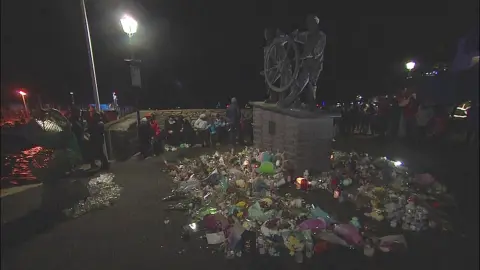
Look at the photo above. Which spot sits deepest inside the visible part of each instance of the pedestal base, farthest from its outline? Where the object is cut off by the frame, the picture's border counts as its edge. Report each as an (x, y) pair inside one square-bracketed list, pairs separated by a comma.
[(304, 137)]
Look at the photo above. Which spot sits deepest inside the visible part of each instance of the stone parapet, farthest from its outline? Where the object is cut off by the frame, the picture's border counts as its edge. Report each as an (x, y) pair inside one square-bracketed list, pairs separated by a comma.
[(121, 134)]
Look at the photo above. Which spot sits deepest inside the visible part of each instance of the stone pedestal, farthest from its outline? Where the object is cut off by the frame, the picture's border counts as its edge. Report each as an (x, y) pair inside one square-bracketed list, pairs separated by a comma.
[(304, 137)]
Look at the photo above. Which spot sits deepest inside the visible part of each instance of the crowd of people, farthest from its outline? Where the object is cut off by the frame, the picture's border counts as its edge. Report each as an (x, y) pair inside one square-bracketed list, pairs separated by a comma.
[(89, 132), (207, 130), (404, 116)]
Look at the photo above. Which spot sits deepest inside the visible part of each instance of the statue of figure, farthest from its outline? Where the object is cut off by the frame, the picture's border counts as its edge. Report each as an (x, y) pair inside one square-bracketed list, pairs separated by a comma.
[(278, 55), (312, 56)]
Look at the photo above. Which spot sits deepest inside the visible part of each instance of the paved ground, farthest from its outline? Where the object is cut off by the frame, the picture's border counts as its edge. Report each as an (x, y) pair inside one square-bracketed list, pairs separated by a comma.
[(133, 235)]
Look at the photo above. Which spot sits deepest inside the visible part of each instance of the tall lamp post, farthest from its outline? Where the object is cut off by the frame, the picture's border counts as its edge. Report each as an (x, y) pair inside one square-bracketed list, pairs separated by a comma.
[(410, 66), (73, 98), (23, 94), (130, 27), (93, 74)]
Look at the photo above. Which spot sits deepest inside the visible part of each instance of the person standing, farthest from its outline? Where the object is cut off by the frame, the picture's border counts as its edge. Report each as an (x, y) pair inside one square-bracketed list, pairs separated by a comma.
[(202, 128), (173, 131), (220, 127), (96, 129), (186, 131), (394, 119), (409, 113), (371, 119), (233, 120), (78, 128), (423, 117), (157, 142), (213, 132), (145, 137), (382, 116)]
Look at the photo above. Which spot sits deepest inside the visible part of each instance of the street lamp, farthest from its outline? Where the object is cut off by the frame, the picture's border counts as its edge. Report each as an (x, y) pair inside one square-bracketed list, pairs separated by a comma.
[(410, 66), (73, 98), (23, 94), (130, 27)]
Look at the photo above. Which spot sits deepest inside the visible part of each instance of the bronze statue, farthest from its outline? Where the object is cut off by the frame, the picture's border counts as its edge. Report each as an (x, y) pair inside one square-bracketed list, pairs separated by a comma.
[(286, 69)]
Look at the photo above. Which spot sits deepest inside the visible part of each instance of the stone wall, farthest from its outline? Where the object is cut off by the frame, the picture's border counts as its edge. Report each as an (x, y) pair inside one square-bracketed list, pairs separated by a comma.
[(306, 141), (121, 134)]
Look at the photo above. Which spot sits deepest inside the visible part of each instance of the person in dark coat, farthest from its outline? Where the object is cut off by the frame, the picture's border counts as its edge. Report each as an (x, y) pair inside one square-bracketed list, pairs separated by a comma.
[(233, 121), (96, 129), (78, 128), (172, 136), (187, 133), (145, 136)]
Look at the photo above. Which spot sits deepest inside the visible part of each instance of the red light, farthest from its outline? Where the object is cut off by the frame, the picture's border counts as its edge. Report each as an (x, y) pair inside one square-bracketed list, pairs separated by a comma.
[(228, 105), (318, 105), (22, 93)]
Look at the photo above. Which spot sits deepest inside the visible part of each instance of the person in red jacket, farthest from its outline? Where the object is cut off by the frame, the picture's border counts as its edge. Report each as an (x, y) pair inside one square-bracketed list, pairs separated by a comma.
[(157, 142)]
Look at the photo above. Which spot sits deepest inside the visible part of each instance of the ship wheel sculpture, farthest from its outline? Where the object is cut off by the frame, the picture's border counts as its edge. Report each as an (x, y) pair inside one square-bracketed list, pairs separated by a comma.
[(281, 63)]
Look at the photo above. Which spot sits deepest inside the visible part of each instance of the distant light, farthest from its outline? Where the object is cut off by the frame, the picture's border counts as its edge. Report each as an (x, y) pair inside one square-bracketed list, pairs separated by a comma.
[(71, 93), (318, 105), (410, 65), (129, 25), (475, 59), (397, 163), (22, 93), (228, 105)]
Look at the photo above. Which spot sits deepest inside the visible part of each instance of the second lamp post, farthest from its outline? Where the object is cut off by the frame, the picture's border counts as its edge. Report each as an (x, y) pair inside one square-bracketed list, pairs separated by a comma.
[(130, 26)]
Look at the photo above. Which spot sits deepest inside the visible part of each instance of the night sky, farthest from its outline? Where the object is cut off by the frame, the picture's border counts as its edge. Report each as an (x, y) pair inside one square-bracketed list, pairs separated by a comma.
[(198, 52)]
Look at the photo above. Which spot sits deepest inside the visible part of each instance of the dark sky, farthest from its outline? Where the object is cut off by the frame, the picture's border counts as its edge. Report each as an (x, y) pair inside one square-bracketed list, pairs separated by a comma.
[(198, 52)]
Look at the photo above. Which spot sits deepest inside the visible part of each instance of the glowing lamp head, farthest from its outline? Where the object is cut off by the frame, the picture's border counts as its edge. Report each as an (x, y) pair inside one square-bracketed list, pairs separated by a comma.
[(129, 25), (22, 93), (410, 65)]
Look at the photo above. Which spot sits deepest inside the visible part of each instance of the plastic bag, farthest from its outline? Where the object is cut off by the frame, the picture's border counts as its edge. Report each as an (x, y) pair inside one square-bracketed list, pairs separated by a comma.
[(332, 238), (255, 212), (317, 212), (213, 179), (388, 243), (349, 233)]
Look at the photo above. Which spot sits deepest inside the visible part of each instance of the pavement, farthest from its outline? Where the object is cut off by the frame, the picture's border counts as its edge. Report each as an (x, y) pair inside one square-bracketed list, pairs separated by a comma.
[(137, 233)]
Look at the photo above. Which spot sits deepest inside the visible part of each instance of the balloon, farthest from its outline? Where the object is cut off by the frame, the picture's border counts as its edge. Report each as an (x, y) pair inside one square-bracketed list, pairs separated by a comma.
[(267, 167), (313, 224)]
